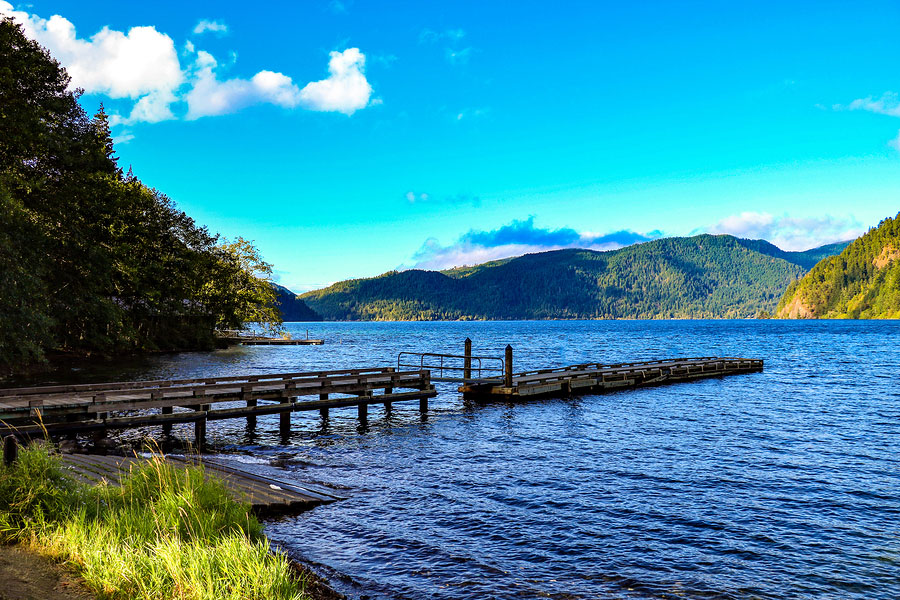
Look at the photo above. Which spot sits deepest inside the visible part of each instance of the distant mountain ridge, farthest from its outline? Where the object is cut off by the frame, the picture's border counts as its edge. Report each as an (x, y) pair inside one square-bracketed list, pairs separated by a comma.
[(704, 276), (292, 308), (861, 282)]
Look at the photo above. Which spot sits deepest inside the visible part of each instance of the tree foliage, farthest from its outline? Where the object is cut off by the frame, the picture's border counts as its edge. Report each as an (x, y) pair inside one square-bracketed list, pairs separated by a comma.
[(91, 259), (862, 282), (698, 277)]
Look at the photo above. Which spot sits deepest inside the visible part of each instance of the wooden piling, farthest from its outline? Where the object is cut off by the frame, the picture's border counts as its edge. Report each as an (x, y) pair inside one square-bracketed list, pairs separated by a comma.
[(246, 392), (200, 428), (363, 412), (423, 404), (284, 423), (10, 450), (167, 427), (389, 389), (508, 372), (467, 361)]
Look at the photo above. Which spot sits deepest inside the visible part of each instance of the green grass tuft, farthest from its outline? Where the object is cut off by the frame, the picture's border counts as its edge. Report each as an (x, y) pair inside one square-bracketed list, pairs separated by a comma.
[(165, 532)]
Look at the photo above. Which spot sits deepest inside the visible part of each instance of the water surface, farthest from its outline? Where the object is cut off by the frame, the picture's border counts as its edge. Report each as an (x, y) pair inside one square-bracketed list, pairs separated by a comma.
[(780, 484)]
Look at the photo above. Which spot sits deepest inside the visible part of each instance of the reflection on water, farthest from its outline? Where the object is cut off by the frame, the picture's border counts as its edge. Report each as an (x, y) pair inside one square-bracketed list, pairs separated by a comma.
[(782, 484)]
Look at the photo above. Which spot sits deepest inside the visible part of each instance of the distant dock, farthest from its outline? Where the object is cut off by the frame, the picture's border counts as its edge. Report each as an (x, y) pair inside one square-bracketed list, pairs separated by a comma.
[(271, 341), (594, 378)]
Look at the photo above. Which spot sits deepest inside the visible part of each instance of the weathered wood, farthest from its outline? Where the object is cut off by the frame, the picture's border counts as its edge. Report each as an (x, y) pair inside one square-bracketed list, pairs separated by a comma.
[(467, 361), (10, 450), (82, 407), (264, 494), (284, 423), (597, 378), (200, 427), (508, 367)]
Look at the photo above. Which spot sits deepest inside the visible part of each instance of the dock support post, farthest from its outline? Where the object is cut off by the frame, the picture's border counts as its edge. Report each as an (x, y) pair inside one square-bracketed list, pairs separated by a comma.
[(167, 427), (387, 408), (284, 423), (507, 376), (251, 419), (200, 429), (390, 388), (467, 362), (423, 404), (10, 450), (363, 412)]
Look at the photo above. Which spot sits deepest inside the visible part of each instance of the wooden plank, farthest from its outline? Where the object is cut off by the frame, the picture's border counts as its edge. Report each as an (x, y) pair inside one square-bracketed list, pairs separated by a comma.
[(263, 493)]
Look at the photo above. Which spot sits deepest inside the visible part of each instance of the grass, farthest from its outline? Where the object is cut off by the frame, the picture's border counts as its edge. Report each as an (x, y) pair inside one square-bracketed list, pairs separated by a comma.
[(165, 533)]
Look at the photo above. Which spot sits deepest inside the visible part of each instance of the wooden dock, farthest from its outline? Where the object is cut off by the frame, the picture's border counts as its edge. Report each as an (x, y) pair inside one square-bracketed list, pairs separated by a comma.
[(271, 341), (71, 409), (264, 494), (594, 378)]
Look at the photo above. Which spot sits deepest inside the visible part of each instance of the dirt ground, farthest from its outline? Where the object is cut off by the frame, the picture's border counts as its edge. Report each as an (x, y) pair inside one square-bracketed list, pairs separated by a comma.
[(25, 575)]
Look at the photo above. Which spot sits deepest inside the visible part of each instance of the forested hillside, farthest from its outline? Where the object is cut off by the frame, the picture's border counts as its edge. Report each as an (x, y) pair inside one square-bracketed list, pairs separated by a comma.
[(862, 282), (704, 276), (91, 259), (291, 307)]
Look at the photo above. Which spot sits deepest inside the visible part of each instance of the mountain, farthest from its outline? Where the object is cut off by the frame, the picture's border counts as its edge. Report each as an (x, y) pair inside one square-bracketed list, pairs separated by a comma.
[(292, 307), (862, 282), (704, 276)]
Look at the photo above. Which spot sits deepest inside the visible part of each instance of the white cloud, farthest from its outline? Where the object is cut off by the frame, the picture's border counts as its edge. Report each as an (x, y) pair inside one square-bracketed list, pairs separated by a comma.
[(209, 96), (790, 233), (142, 65), (205, 25), (119, 65), (346, 90)]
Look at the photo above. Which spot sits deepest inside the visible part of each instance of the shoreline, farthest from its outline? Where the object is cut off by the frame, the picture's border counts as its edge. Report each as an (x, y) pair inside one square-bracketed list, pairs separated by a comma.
[(161, 528)]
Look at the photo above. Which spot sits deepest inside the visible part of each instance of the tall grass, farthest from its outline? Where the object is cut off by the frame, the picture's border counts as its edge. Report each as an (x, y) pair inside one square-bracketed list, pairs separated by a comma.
[(164, 533)]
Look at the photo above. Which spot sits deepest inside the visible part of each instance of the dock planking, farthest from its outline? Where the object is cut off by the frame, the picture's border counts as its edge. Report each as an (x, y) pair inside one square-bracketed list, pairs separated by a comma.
[(265, 495), (594, 378)]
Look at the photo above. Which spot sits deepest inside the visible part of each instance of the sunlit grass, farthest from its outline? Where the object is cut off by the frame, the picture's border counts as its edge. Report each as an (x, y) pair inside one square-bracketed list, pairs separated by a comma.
[(166, 532)]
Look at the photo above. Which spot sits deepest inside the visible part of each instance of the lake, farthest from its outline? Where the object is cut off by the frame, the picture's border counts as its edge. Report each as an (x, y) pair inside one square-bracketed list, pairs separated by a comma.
[(780, 484)]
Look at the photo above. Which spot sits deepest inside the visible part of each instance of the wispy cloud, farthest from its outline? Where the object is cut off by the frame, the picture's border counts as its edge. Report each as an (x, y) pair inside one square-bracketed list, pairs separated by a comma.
[(206, 25), (790, 233), (413, 197), (429, 36), (454, 52), (888, 104), (458, 57), (142, 66), (517, 238)]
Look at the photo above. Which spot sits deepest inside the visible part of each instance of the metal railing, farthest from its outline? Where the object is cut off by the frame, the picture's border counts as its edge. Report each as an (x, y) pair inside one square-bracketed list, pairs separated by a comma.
[(477, 369)]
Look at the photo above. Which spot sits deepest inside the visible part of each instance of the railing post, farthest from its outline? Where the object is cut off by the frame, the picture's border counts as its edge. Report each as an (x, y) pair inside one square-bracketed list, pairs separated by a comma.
[(507, 379), (10, 450), (467, 364)]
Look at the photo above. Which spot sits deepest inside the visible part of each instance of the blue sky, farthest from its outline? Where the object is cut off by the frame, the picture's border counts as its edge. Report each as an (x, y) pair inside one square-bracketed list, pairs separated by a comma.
[(350, 138)]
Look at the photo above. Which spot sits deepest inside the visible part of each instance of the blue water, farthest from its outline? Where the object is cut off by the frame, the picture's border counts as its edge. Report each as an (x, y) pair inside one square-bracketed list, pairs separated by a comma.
[(780, 484)]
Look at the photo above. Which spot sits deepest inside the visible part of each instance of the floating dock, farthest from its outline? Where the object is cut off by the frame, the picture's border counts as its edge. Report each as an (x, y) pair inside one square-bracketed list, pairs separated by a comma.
[(594, 378), (264, 494), (71, 409), (270, 341)]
